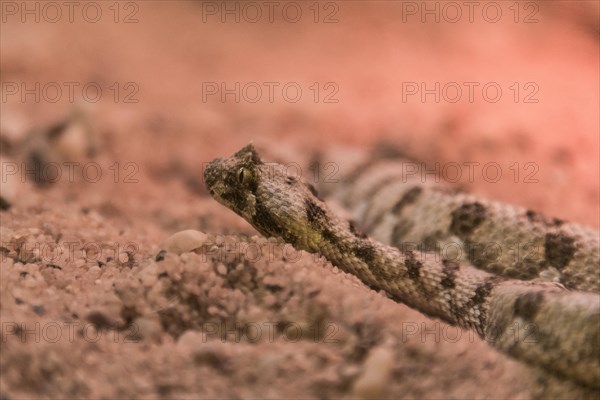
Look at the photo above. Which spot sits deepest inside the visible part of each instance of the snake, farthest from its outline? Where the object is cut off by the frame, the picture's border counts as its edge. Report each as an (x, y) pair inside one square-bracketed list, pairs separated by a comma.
[(548, 324)]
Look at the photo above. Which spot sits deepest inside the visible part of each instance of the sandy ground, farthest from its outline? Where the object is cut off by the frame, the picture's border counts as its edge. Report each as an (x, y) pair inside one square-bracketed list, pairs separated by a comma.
[(88, 312)]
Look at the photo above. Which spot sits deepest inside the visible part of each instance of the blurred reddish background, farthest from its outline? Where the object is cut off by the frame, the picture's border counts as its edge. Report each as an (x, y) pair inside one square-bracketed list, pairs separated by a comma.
[(425, 75)]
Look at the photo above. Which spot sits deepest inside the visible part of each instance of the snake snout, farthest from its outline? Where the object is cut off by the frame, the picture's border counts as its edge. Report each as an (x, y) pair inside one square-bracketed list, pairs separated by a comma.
[(212, 173)]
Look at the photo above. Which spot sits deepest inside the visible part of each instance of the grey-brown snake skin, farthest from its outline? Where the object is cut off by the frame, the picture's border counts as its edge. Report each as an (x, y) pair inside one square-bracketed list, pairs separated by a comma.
[(539, 322)]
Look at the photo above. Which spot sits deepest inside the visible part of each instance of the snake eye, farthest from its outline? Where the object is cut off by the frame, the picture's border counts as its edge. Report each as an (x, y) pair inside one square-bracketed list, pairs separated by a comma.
[(243, 175)]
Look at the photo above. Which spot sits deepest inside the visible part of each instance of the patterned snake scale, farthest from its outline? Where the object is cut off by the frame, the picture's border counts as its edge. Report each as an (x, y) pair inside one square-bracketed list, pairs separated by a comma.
[(559, 328)]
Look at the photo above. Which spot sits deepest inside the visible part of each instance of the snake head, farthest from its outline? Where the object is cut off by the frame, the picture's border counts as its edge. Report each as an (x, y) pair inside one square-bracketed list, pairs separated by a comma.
[(233, 181), (273, 202)]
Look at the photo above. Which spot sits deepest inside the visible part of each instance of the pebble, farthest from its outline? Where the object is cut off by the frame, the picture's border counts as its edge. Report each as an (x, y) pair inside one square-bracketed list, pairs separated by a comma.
[(77, 139), (222, 269), (14, 126), (148, 328), (189, 341), (376, 373), (185, 241)]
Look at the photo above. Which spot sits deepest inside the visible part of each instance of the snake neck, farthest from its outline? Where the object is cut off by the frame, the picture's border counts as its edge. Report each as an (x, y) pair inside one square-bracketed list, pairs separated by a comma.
[(458, 294)]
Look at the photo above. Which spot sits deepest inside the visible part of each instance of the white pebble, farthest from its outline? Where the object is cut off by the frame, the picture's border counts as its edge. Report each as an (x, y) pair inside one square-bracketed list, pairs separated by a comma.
[(376, 373), (185, 241), (222, 269)]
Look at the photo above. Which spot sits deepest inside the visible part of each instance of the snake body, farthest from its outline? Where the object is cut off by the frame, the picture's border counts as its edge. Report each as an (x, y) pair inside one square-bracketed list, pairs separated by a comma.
[(540, 323), (398, 205)]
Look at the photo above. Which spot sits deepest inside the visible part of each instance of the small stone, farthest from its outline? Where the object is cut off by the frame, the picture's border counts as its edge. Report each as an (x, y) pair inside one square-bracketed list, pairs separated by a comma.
[(376, 373), (222, 269), (72, 139), (190, 340), (14, 126), (185, 241), (77, 140), (147, 328)]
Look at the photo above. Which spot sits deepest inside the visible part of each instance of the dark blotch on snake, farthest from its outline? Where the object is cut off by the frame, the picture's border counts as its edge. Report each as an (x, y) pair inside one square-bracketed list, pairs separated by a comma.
[(449, 270), (431, 242), (559, 249), (366, 252), (408, 198), (268, 226), (528, 304), (317, 219), (400, 230), (466, 218), (315, 215), (330, 236), (413, 265), (483, 291)]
